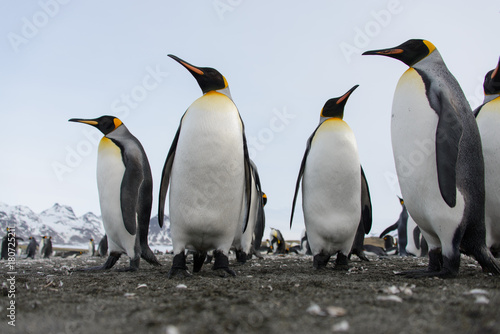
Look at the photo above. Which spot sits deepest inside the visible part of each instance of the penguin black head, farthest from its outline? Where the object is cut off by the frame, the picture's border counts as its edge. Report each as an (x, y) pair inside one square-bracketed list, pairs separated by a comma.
[(401, 201), (105, 124), (208, 78), (335, 107), (264, 199), (492, 81), (410, 52)]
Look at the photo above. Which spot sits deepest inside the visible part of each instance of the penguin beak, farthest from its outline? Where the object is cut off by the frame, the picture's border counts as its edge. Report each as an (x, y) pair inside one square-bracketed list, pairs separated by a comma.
[(86, 121), (191, 68), (346, 95), (384, 52)]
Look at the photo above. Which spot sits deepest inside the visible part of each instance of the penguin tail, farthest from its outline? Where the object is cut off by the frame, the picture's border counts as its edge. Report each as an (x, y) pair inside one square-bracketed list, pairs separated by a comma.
[(488, 262), (148, 255)]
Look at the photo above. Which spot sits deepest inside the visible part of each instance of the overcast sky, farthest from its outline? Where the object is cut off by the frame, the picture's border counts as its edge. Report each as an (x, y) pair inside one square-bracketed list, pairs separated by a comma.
[(62, 59)]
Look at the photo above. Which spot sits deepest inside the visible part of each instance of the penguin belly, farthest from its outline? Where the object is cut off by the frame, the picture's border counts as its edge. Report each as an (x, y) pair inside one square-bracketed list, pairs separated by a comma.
[(413, 135), (208, 175), (331, 189), (488, 122), (110, 171)]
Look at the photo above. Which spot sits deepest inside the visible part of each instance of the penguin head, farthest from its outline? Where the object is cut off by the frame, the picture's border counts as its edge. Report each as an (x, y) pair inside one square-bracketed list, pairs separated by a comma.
[(264, 199), (334, 108), (410, 52), (401, 201), (492, 81), (105, 124), (209, 79)]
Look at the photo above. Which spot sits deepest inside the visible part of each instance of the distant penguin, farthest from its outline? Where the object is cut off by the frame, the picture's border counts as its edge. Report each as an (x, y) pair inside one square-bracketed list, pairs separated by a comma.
[(42, 243), (444, 193), (278, 243), (31, 249), (331, 186), (417, 246), (243, 241), (47, 247), (208, 169), (91, 247), (488, 122), (125, 189), (402, 226), (365, 223), (374, 250), (260, 226), (390, 246), (102, 248), (7, 241), (304, 244)]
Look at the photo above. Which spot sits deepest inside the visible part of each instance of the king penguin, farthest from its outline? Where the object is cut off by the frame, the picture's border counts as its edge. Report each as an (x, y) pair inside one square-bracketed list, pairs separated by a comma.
[(31, 249), (439, 161), (402, 226), (125, 188), (243, 241), (209, 173), (331, 186), (365, 223), (488, 122)]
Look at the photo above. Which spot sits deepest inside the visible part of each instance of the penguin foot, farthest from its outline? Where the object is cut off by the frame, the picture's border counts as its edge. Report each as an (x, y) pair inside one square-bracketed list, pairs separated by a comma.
[(179, 272), (149, 256), (341, 262), (320, 261), (221, 264), (179, 266), (224, 272), (241, 257), (128, 269)]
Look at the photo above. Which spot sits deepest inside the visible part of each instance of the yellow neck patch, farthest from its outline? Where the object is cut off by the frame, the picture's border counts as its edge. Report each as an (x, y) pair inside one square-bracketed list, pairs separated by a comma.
[(117, 122), (430, 46)]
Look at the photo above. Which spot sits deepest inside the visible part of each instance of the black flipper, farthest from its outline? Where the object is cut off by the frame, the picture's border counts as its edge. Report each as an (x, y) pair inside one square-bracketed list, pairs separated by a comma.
[(129, 191), (301, 172), (416, 237), (366, 204), (448, 133), (248, 176), (165, 175), (389, 229)]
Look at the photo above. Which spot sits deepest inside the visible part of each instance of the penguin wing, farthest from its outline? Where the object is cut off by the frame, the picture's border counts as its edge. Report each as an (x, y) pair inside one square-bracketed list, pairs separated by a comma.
[(389, 229), (477, 110), (416, 237), (248, 176), (366, 203), (165, 175), (301, 172), (448, 133), (129, 194)]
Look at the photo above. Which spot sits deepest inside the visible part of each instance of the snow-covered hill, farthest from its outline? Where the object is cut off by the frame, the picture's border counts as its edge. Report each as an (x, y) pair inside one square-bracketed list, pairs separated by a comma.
[(65, 228)]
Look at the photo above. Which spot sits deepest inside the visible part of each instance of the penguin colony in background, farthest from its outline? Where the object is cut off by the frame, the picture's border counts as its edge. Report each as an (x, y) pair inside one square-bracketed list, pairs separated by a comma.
[(216, 201)]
